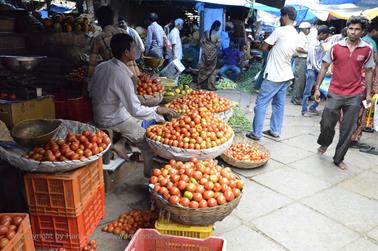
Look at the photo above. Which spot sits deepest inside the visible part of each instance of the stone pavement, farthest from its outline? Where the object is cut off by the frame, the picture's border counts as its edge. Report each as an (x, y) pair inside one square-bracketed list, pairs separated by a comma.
[(299, 201)]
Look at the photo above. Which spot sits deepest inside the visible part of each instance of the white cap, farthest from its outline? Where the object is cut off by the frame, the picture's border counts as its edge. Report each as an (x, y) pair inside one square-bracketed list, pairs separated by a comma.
[(305, 25)]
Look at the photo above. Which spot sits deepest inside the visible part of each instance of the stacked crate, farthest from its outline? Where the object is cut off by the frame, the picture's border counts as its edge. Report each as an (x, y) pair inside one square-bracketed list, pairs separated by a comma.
[(66, 208)]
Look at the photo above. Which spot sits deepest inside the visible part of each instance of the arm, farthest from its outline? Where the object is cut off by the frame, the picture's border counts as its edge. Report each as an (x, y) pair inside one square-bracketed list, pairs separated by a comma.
[(139, 41), (301, 50), (93, 58), (270, 41), (173, 51), (149, 38), (369, 66), (266, 47), (320, 79)]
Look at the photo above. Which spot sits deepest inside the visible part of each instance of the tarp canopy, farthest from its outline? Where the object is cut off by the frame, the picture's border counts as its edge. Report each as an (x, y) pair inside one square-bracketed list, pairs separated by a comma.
[(246, 3)]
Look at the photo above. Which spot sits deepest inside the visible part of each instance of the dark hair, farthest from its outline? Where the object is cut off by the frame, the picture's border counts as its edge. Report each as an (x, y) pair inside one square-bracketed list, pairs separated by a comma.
[(213, 26), (373, 26), (332, 30), (324, 29), (153, 17), (363, 21), (119, 43), (344, 31), (122, 18), (105, 16), (290, 12)]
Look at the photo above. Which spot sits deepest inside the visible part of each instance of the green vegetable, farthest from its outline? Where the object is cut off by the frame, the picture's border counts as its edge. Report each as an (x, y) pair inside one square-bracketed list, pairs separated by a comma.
[(226, 84), (185, 79), (247, 79), (239, 121)]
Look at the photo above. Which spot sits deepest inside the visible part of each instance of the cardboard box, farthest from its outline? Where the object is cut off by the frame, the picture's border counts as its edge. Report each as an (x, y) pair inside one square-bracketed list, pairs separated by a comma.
[(173, 69), (13, 112)]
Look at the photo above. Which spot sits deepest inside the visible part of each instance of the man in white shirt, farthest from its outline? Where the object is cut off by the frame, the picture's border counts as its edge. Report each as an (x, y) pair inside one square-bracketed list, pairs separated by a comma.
[(282, 44), (115, 104), (300, 63), (155, 38), (175, 40), (139, 49)]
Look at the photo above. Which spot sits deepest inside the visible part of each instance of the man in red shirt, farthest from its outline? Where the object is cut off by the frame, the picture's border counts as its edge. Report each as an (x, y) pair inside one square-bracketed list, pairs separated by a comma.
[(349, 56)]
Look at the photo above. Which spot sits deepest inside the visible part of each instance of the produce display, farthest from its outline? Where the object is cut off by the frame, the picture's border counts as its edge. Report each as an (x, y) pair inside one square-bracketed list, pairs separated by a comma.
[(91, 246), (8, 96), (239, 120), (148, 86), (226, 84), (78, 75), (8, 229), (73, 147), (67, 23), (246, 153), (185, 79), (196, 184), (129, 222), (178, 91), (197, 130), (199, 99)]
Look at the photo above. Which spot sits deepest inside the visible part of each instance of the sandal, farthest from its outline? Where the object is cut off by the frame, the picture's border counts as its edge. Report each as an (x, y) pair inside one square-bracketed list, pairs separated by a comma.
[(370, 150), (269, 133), (252, 136)]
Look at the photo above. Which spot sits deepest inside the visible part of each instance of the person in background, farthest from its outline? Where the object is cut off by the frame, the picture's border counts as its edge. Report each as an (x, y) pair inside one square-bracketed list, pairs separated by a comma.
[(282, 44), (332, 30), (349, 57), (314, 63), (155, 38), (115, 103), (134, 34), (168, 27), (175, 40), (300, 63), (231, 57), (209, 56), (100, 45)]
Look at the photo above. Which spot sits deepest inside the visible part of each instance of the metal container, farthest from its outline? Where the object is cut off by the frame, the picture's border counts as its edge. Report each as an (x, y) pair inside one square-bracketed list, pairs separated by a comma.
[(153, 62), (21, 64), (35, 132)]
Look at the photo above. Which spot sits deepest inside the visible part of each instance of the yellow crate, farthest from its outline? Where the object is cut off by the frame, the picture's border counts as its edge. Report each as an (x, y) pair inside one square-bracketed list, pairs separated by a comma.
[(171, 228)]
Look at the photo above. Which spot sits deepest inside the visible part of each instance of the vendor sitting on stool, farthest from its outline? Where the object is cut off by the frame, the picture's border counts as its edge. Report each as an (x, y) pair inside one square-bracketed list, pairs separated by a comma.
[(115, 103), (231, 57)]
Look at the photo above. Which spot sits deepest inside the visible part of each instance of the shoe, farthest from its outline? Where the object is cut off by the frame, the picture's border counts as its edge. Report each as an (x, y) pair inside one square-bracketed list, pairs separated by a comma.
[(269, 133), (314, 112), (295, 102), (306, 114), (252, 136)]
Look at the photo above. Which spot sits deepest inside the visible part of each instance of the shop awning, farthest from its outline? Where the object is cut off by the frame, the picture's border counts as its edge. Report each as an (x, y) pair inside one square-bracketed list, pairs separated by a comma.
[(246, 3)]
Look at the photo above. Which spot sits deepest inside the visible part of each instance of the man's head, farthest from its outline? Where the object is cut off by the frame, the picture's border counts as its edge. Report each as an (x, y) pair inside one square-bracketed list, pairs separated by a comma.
[(122, 22), (123, 47), (179, 23), (373, 29), (356, 26), (104, 16), (153, 17), (323, 32), (288, 15), (305, 27)]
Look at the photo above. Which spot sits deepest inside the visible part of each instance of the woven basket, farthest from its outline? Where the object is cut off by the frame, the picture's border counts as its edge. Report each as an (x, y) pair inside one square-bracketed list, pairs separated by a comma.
[(168, 99), (151, 101), (226, 115), (194, 216)]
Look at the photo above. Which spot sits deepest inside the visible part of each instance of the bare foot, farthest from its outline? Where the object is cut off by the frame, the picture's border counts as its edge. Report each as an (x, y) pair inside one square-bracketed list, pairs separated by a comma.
[(341, 165), (322, 149), (120, 149)]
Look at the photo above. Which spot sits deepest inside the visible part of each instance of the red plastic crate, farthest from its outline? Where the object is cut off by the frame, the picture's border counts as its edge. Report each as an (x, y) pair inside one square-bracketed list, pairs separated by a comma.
[(71, 233), (63, 194), (23, 240), (152, 240), (73, 108)]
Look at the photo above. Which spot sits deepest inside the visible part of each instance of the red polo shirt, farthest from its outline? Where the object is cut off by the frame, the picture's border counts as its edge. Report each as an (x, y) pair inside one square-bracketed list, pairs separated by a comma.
[(347, 68)]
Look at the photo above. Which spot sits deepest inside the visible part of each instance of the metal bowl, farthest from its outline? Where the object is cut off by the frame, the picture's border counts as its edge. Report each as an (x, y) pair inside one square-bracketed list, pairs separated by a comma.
[(21, 64), (35, 132), (153, 62)]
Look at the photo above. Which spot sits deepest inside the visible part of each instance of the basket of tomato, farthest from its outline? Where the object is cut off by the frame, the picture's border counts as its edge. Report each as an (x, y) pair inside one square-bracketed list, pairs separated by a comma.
[(195, 192), (149, 90), (246, 156), (73, 145), (199, 134)]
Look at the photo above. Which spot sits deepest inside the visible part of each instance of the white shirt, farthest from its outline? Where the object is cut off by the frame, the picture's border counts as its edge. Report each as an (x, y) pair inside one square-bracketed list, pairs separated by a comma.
[(155, 34), (303, 43), (113, 95), (138, 42), (174, 38), (284, 40)]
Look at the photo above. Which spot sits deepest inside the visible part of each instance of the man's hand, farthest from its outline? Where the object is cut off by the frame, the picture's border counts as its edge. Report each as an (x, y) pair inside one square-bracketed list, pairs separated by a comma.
[(368, 99), (317, 95), (166, 111)]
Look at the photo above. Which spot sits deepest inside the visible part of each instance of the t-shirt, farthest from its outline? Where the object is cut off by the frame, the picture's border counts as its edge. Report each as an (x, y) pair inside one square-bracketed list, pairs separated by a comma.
[(174, 38), (372, 42), (347, 67), (302, 43), (231, 56), (284, 40)]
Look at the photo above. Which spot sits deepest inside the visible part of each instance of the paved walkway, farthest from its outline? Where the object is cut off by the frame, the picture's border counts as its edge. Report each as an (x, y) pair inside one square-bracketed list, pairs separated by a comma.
[(299, 201)]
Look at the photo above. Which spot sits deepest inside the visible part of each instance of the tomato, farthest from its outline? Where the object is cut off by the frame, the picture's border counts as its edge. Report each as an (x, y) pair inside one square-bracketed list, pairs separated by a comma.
[(197, 175), (217, 187), (240, 184), (221, 199), (197, 197), (153, 179), (229, 195), (200, 189), (174, 199), (163, 190), (193, 204), (209, 185), (191, 187), (212, 202), (174, 190), (182, 185), (236, 192), (184, 202), (157, 188), (208, 194), (202, 204), (184, 177)]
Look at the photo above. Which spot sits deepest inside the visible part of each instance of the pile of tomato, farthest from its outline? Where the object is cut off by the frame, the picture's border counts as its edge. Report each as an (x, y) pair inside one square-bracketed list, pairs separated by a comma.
[(197, 130), (198, 99), (78, 74), (248, 153), (8, 229), (148, 86), (196, 184), (74, 147), (129, 222)]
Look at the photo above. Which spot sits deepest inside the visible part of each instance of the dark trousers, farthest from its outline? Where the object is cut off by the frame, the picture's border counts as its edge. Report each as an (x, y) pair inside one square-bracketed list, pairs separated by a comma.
[(299, 80), (350, 105)]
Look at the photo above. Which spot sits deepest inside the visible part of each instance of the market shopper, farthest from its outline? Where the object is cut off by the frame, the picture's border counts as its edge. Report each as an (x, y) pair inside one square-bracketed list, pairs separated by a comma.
[(231, 58), (207, 68), (115, 104), (282, 44), (139, 46), (155, 38), (314, 63), (300, 63), (175, 40), (349, 57)]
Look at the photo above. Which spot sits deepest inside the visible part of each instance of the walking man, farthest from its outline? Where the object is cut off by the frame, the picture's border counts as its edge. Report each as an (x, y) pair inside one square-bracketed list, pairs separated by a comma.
[(282, 44), (349, 56)]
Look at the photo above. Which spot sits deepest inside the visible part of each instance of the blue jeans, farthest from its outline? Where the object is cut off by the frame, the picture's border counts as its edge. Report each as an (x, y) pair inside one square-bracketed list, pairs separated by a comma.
[(227, 67), (311, 76), (275, 91)]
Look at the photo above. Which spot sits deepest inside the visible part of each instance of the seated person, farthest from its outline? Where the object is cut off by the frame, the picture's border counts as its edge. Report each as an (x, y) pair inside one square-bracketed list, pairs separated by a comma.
[(231, 57), (115, 103)]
